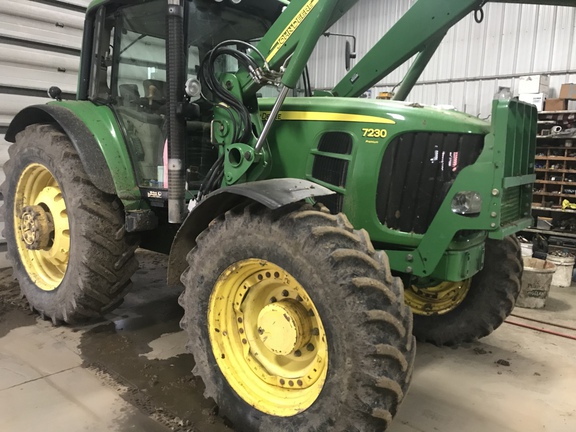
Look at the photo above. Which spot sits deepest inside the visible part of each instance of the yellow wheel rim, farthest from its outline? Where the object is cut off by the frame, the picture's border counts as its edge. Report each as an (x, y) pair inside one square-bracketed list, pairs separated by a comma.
[(436, 299), (267, 337), (41, 226)]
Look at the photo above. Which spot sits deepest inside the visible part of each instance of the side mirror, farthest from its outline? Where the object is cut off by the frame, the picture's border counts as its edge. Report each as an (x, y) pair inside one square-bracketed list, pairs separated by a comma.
[(349, 54)]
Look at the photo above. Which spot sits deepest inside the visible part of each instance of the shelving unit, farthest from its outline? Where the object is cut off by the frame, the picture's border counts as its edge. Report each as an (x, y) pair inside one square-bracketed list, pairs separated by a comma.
[(555, 171), (555, 161), (555, 168)]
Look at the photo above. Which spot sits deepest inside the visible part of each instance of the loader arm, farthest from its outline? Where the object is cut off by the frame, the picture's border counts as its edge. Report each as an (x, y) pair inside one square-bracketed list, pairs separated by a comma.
[(426, 21), (418, 32), (295, 33)]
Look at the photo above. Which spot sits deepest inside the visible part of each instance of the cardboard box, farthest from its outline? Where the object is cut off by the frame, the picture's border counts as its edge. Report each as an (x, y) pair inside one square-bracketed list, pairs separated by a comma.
[(537, 99), (568, 91), (555, 105), (534, 84)]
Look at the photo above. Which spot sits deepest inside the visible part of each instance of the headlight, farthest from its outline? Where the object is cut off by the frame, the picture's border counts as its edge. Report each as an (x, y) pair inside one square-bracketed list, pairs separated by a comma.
[(467, 203)]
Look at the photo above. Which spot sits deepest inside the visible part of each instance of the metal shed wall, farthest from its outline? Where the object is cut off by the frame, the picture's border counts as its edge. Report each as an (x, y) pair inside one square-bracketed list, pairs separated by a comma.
[(39, 47), (473, 60)]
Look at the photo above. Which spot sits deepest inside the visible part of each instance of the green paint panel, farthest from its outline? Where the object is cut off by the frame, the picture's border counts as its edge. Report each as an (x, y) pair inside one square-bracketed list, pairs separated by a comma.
[(502, 182)]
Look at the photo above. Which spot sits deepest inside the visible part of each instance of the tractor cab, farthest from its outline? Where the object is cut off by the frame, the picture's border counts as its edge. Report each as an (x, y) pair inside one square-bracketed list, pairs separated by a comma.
[(129, 76)]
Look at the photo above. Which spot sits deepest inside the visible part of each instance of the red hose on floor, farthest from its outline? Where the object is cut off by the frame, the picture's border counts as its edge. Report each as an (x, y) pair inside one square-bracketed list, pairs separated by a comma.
[(541, 330), (544, 322)]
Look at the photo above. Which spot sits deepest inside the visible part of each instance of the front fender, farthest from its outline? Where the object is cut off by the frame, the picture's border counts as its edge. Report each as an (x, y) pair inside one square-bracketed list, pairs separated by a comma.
[(273, 194)]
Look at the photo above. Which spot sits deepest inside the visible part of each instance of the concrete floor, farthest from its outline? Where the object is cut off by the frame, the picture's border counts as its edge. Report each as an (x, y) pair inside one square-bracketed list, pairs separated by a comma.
[(130, 372)]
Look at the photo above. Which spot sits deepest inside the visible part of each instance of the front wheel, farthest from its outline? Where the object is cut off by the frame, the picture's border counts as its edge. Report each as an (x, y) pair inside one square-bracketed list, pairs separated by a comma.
[(295, 322), (450, 313)]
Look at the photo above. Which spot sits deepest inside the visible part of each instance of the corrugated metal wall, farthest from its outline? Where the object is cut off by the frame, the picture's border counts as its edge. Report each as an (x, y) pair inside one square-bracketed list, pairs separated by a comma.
[(473, 60), (39, 47), (40, 43)]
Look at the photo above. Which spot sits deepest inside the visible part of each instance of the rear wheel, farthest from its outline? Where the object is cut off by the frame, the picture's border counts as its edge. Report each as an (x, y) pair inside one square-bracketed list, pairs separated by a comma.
[(66, 239), (449, 313), (295, 322)]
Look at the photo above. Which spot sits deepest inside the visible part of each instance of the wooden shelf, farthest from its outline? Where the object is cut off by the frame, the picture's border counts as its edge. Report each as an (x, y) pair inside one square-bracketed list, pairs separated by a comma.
[(556, 137), (558, 158), (550, 232), (550, 170), (550, 209), (555, 182), (557, 112), (555, 194)]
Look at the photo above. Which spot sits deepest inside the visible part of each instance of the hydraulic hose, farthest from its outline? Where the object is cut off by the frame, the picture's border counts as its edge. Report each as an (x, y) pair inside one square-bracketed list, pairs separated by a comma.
[(544, 322), (175, 80), (541, 330)]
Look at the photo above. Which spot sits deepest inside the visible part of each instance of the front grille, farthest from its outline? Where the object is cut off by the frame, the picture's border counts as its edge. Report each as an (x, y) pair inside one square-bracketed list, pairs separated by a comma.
[(511, 205), (417, 171), (336, 142), (334, 202), (330, 170), (333, 169)]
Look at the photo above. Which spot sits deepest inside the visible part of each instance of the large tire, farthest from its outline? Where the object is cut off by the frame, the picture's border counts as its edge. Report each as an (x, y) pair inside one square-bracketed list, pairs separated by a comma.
[(367, 326), (90, 273), (490, 299)]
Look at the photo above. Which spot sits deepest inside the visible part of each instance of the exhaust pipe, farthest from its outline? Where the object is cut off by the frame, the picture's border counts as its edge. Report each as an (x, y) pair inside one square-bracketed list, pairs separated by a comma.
[(176, 124)]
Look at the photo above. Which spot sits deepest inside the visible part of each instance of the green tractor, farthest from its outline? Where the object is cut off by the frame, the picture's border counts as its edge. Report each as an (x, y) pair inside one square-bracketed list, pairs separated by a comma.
[(305, 230)]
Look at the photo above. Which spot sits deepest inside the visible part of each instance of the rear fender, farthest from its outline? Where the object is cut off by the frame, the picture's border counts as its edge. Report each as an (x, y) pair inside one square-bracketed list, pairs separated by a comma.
[(273, 194), (96, 135), (83, 140)]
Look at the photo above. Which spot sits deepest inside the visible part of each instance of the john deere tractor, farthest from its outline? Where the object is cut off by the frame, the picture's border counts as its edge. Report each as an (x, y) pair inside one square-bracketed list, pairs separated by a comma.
[(305, 230)]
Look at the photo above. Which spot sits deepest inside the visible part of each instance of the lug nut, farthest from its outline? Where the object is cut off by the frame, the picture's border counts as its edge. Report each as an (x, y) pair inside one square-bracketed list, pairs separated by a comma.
[(273, 300), (285, 293), (297, 353), (310, 347), (316, 331)]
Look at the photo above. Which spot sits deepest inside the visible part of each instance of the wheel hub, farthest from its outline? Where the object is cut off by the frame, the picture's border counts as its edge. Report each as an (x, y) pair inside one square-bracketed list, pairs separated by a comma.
[(436, 299), (283, 327), (41, 225), (37, 227), (267, 337)]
